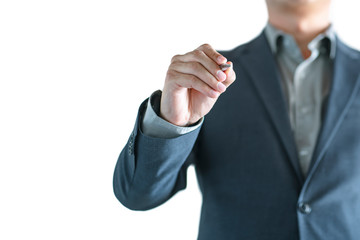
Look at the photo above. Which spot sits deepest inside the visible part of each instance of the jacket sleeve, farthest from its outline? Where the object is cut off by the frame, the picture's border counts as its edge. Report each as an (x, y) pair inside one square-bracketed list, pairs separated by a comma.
[(151, 170)]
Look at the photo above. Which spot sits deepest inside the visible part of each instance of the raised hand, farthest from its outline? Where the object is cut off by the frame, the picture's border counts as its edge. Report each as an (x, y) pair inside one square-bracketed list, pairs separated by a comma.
[(193, 83)]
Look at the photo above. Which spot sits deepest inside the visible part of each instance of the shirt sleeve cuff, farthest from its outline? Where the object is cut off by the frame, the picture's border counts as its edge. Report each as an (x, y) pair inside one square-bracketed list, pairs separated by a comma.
[(154, 126)]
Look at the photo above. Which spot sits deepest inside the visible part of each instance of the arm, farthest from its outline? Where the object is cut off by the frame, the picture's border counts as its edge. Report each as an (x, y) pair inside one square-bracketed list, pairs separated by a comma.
[(152, 169), (146, 175)]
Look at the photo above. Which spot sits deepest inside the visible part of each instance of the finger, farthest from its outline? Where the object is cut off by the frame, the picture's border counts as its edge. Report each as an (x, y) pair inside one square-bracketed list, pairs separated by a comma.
[(200, 56), (198, 70), (230, 75), (212, 54), (190, 81)]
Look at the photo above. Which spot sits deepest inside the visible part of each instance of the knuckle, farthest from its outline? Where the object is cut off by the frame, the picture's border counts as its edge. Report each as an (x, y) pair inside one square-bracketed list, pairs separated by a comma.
[(173, 65), (197, 53), (170, 74), (205, 45), (174, 58)]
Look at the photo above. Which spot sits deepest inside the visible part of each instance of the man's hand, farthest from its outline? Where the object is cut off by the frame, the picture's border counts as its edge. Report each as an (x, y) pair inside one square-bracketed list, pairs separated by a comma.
[(193, 83)]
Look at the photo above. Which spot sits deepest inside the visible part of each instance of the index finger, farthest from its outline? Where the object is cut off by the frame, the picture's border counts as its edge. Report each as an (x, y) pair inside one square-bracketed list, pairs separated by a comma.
[(212, 54)]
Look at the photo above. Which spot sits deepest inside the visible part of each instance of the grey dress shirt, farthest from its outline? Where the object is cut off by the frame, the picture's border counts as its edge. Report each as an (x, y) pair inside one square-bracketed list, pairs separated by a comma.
[(305, 83)]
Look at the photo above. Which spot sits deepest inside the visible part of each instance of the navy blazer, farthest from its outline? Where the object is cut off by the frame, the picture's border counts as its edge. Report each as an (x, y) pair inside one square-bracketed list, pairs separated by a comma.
[(246, 161)]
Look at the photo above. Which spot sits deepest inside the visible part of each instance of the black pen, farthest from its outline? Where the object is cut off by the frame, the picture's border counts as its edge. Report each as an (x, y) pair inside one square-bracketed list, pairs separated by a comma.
[(224, 66)]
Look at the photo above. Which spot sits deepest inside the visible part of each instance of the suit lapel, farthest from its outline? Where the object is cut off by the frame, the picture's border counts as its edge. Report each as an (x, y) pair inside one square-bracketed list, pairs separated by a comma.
[(345, 84), (261, 66)]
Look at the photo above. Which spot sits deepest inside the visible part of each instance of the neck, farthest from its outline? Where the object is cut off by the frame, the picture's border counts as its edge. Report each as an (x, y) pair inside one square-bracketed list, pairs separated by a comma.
[(303, 22)]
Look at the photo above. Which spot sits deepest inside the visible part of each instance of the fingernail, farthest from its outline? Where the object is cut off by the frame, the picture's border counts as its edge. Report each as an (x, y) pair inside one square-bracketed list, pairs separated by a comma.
[(221, 87), (221, 59), (221, 75)]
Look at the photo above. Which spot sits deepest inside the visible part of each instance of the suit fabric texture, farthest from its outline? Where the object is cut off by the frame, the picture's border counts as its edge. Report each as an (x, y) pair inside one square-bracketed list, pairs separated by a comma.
[(246, 160)]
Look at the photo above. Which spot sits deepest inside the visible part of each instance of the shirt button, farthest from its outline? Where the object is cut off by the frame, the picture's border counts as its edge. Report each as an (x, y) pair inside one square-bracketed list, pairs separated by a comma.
[(304, 208)]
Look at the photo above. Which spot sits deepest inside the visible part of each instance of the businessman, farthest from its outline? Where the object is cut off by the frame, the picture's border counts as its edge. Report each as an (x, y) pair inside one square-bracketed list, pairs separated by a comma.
[(276, 151)]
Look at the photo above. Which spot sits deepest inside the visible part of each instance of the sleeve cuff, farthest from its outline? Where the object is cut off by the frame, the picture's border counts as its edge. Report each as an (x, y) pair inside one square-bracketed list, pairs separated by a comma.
[(154, 126)]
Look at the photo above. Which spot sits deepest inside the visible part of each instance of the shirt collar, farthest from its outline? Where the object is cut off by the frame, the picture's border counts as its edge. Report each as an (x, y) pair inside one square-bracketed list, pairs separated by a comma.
[(275, 35)]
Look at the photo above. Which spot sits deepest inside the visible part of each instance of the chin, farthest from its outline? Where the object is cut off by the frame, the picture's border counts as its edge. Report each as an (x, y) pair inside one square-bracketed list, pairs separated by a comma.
[(302, 1), (295, 2)]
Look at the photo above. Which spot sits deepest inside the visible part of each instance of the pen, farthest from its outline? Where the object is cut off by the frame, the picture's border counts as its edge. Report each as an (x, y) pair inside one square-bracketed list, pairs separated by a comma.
[(224, 66)]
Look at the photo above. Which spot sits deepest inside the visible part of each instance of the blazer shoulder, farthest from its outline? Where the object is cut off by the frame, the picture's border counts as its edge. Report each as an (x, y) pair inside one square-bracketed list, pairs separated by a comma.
[(347, 49)]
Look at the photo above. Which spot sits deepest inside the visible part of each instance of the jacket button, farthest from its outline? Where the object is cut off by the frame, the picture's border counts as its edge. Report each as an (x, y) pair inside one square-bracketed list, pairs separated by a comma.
[(304, 208)]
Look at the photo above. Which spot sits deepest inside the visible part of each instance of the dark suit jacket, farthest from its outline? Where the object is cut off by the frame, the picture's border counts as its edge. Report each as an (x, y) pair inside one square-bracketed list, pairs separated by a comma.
[(246, 159)]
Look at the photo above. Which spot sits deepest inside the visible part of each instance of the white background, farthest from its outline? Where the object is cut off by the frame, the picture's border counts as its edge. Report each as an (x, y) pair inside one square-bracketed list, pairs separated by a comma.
[(72, 75)]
